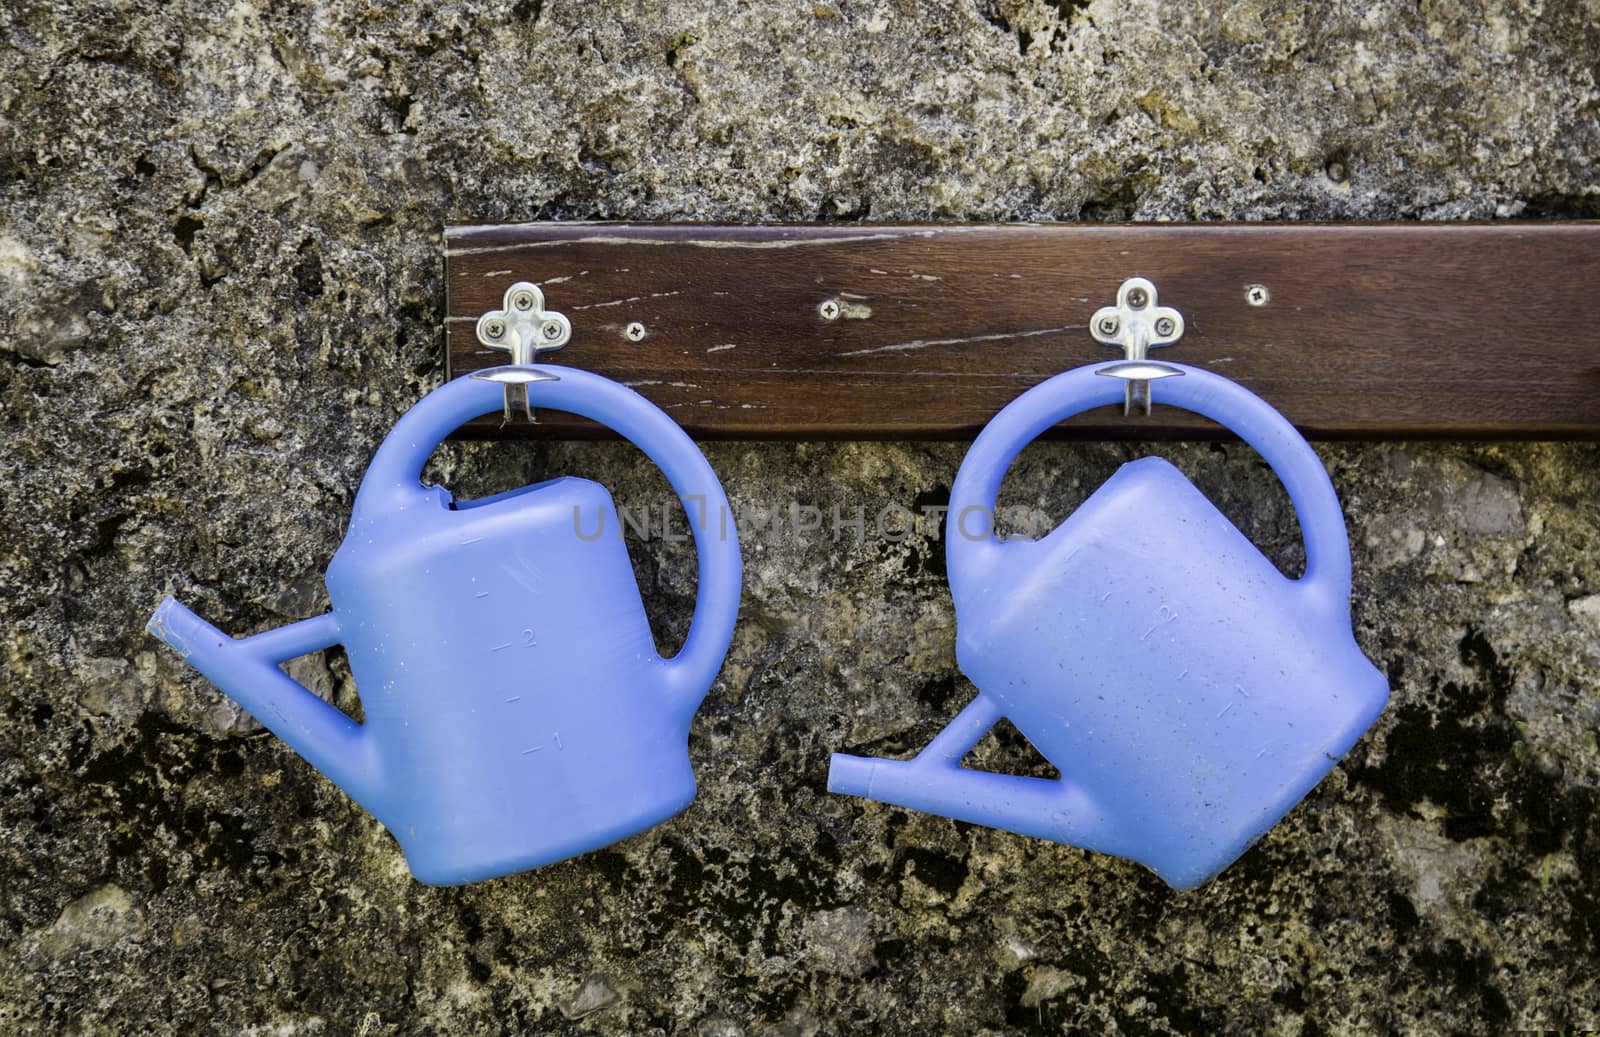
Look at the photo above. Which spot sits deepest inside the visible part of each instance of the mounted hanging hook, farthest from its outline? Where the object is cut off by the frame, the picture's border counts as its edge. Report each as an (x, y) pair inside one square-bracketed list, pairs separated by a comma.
[(1137, 325), (523, 328)]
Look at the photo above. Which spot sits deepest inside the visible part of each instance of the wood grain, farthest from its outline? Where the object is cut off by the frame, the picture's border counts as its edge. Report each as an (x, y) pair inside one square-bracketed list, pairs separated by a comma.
[(1371, 331)]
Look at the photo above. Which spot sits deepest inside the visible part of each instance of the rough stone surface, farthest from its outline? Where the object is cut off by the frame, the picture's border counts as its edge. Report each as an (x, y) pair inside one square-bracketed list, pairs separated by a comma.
[(220, 282)]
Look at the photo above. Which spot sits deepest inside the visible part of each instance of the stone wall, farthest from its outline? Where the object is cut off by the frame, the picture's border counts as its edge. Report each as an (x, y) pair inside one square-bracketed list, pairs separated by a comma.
[(220, 283)]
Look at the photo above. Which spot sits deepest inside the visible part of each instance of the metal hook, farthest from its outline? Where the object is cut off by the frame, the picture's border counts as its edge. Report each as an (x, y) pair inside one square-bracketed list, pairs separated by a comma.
[(523, 328), (1137, 325)]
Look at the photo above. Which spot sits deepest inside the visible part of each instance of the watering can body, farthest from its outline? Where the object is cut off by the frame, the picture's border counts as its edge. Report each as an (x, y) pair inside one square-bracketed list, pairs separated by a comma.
[(1188, 692), (516, 711)]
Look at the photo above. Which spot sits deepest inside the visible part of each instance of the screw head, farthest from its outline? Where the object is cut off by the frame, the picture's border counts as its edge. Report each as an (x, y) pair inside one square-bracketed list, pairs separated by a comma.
[(1138, 298), (495, 329), (551, 330), (829, 310), (1166, 326), (1257, 295), (1109, 325), (522, 300), (634, 331)]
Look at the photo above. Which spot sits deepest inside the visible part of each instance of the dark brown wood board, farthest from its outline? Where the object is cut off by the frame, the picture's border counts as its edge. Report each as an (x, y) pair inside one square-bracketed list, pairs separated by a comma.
[(1371, 331)]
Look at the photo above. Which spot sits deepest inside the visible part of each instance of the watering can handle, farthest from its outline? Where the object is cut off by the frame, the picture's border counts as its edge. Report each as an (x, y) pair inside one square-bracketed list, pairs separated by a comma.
[(977, 484), (394, 482)]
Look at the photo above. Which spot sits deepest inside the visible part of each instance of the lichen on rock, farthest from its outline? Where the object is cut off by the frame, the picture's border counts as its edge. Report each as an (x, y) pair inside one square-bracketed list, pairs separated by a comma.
[(221, 283)]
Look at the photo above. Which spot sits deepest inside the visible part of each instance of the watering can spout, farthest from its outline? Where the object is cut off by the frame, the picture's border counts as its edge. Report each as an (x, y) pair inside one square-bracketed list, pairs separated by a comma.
[(1039, 807), (936, 782), (246, 670)]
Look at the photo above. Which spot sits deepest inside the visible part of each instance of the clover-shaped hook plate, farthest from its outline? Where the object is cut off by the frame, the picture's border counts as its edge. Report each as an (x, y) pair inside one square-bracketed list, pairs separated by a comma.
[(525, 329), (1136, 325)]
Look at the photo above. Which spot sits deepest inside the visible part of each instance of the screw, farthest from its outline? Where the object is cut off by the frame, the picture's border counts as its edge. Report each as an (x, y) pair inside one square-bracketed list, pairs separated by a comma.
[(829, 310), (1109, 325), (1257, 294), (495, 329), (1166, 326), (551, 329), (522, 300), (1137, 298), (634, 331)]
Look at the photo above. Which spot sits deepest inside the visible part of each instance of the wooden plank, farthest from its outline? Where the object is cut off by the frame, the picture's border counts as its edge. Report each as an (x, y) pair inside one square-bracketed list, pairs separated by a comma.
[(1369, 331)]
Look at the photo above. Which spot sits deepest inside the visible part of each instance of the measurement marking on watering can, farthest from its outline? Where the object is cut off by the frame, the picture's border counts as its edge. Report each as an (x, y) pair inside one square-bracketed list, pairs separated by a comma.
[(514, 698), (555, 736), (527, 641), (481, 594), (1165, 611), (470, 540)]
